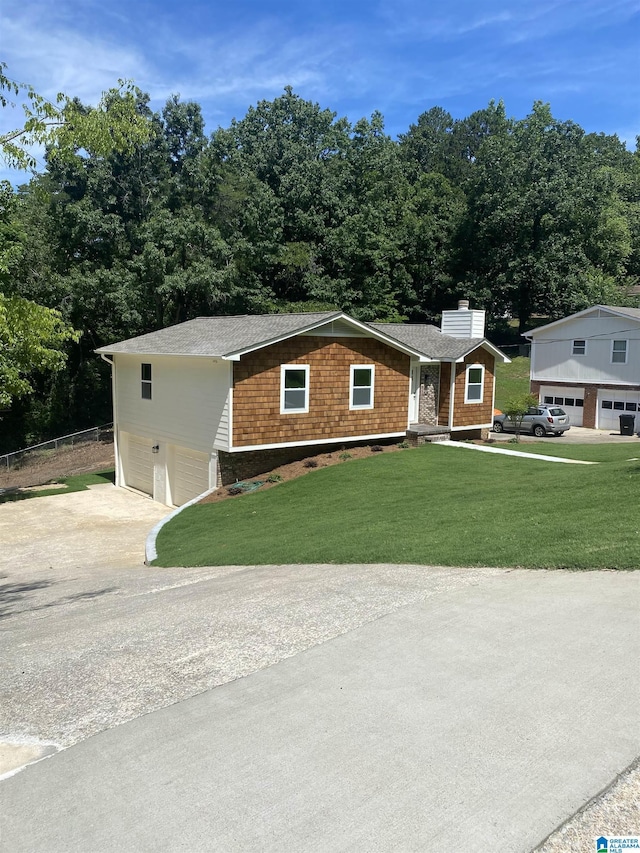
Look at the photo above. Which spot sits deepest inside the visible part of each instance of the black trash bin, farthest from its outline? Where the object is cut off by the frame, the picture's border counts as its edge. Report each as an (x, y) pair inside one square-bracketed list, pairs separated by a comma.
[(626, 424)]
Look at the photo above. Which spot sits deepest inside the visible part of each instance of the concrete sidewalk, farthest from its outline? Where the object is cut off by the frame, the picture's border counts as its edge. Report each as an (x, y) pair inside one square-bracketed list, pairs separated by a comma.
[(478, 719)]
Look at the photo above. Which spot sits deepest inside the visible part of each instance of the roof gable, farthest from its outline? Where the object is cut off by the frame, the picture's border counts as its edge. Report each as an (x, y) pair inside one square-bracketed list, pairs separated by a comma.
[(612, 310)]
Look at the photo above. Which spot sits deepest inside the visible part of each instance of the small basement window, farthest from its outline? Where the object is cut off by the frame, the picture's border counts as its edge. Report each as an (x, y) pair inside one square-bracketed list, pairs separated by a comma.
[(146, 381), (294, 389), (619, 352), (361, 393), (474, 387), (579, 348)]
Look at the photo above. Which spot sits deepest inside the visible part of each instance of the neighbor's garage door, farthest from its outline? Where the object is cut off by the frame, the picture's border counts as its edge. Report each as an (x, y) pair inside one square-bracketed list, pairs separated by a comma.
[(612, 404), (571, 400), (138, 467), (189, 475)]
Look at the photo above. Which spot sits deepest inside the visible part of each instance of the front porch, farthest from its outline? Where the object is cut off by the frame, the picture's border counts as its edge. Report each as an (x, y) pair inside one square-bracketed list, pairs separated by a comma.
[(422, 433)]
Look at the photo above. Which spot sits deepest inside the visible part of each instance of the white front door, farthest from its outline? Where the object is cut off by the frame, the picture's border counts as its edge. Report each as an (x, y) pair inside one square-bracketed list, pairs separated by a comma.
[(414, 397)]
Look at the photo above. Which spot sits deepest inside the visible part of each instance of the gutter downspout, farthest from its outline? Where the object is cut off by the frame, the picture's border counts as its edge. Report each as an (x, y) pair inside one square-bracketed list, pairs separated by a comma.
[(116, 436)]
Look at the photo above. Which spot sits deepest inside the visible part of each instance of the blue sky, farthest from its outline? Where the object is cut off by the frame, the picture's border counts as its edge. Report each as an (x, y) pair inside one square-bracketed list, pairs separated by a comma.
[(402, 58)]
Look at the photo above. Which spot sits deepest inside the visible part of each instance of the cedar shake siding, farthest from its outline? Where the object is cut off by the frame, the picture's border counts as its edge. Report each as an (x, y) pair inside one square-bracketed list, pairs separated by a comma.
[(256, 391), (472, 414), (467, 414)]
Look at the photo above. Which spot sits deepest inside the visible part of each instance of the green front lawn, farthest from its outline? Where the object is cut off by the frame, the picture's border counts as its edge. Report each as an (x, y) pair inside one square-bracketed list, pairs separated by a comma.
[(432, 505)]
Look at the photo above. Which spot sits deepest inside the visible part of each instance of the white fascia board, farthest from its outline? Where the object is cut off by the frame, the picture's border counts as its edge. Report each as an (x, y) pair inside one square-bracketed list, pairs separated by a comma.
[(319, 441), (363, 327), (484, 345), (103, 351)]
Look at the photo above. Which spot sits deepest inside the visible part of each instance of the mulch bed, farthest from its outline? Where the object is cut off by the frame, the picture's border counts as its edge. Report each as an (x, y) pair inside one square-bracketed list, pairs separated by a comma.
[(305, 466)]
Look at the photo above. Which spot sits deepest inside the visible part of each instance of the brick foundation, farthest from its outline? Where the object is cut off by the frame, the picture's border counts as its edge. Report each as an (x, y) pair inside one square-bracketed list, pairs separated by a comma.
[(471, 434)]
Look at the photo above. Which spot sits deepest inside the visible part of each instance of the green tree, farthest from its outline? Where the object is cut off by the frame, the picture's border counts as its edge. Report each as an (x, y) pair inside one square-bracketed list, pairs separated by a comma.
[(31, 338), (517, 407), (545, 230), (66, 125)]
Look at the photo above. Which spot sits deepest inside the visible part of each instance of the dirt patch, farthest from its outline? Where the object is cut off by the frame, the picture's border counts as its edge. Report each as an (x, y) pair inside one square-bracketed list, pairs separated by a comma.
[(305, 466), (44, 466)]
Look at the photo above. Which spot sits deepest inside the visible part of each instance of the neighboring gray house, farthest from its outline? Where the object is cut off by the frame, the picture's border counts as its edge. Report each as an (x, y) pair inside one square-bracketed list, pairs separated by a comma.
[(589, 363)]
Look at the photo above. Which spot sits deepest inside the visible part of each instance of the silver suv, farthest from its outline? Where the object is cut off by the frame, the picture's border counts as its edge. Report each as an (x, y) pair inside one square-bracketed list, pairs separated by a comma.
[(539, 420)]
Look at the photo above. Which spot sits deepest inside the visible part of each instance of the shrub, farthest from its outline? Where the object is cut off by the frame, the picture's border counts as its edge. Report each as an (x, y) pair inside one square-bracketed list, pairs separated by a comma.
[(404, 445), (376, 448), (344, 456), (274, 478), (234, 490), (310, 463)]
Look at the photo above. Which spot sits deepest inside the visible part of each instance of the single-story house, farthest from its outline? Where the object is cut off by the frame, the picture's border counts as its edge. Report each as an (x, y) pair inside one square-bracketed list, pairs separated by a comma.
[(216, 399), (589, 363)]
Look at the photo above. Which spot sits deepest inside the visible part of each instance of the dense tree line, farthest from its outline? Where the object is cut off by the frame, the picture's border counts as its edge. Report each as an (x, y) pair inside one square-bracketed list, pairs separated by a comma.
[(292, 208)]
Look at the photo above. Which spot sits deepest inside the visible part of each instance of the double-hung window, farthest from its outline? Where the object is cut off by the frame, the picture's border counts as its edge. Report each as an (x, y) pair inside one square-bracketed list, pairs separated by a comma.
[(294, 389), (361, 390), (579, 347), (619, 352), (474, 386), (145, 376)]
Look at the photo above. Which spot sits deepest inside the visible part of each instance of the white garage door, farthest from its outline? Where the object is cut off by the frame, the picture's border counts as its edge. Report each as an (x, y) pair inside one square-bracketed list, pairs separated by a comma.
[(138, 468), (571, 400), (612, 404), (189, 475)]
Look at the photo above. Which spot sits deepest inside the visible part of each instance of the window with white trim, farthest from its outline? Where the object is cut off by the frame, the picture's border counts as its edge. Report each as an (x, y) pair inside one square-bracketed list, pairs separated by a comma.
[(579, 347), (294, 389), (474, 386), (618, 352), (145, 381), (361, 386)]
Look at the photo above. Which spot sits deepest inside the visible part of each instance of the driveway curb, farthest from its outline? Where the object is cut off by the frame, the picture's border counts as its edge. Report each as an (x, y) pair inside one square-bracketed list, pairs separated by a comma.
[(150, 551)]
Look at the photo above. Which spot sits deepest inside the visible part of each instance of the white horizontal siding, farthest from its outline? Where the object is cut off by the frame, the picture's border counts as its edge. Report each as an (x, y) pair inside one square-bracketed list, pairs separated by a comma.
[(189, 405), (552, 358)]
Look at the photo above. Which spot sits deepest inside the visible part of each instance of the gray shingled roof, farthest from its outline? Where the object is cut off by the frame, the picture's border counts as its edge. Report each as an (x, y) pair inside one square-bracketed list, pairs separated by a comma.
[(428, 340), (630, 312), (220, 337)]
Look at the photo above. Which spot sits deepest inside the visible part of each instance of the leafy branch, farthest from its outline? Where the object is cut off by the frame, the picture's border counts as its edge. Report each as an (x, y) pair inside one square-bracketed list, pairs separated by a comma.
[(66, 126)]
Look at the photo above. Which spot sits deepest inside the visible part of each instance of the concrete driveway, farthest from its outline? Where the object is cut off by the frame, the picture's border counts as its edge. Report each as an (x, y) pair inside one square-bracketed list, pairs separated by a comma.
[(478, 714), (575, 435), (283, 708), (98, 529)]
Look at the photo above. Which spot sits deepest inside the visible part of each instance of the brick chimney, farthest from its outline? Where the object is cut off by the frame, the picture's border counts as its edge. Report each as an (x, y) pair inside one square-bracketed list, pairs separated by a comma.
[(463, 323)]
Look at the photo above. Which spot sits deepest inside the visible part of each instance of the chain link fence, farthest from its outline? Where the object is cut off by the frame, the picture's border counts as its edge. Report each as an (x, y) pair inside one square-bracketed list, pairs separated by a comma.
[(15, 459)]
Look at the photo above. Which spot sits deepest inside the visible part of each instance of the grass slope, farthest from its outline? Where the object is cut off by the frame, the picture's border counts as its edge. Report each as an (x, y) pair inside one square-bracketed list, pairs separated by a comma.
[(512, 380), (432, 505)]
